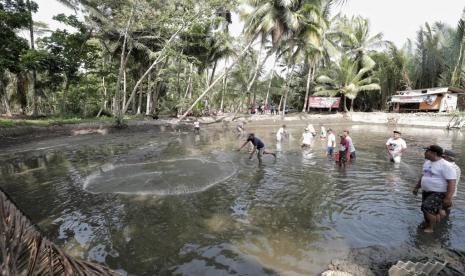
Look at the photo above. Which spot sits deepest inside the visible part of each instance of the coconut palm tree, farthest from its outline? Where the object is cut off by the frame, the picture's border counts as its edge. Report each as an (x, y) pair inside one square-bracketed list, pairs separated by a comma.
[(460, 39), (355, 38), (347, 80)]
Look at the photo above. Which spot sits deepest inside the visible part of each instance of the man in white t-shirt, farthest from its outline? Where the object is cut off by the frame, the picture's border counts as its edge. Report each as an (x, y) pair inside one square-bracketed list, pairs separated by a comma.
[(395, 147), (450, 157), (307, 138), (331, 143), (437, 182), (280, 134)]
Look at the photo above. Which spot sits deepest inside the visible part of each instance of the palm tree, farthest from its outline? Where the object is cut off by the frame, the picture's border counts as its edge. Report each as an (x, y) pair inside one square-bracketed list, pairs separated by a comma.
[(347, 80), (355, 38), (429, 61), (460, 38)]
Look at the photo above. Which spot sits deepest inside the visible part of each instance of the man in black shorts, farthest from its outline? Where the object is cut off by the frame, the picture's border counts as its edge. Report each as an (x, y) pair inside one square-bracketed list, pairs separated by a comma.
[(437, 182), (257, 146)]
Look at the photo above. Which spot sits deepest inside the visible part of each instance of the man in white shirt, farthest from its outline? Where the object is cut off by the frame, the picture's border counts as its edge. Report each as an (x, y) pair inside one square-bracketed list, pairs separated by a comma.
[(331, 143), (307, 138), (450, 157), (395, 147), (437, 182), (280, 134), (351, 145)]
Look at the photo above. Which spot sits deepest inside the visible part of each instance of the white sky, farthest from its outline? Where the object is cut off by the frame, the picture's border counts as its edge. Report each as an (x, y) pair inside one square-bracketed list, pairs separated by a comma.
[(397, 19), (401, 19)]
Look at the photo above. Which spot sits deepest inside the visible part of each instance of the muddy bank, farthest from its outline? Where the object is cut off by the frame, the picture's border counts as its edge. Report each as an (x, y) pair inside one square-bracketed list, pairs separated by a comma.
[(376, 260), (13, 135)]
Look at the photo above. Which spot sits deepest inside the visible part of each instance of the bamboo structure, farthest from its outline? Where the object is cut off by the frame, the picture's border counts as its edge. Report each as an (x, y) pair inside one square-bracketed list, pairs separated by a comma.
[(24, 250)]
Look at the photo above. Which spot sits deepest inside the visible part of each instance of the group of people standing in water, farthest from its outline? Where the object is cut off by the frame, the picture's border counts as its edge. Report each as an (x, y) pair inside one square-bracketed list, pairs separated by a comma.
[(438, 180)]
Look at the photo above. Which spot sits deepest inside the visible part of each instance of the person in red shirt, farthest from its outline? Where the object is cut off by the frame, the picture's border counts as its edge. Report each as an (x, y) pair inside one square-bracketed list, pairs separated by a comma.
[(344, 150)]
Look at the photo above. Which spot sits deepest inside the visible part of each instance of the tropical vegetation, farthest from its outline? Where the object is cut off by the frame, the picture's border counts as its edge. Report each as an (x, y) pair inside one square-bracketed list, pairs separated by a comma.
[(179, 58)]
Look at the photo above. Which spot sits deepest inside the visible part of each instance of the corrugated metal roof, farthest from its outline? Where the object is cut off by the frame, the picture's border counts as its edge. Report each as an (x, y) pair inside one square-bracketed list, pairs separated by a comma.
[(429, 91)]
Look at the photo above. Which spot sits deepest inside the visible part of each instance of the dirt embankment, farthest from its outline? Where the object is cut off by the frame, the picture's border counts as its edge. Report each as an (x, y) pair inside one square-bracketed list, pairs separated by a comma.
[(9, 135)]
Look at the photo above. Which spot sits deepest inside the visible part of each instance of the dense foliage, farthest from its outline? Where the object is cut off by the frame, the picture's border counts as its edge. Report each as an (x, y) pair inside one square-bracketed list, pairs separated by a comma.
[(179, 58)]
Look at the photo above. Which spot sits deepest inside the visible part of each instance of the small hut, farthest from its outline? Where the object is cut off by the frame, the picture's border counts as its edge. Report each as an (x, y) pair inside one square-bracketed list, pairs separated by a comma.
[(440, 99)]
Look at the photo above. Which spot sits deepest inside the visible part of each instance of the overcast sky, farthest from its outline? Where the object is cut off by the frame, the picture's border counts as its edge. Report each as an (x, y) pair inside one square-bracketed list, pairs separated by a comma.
[(396, 19)]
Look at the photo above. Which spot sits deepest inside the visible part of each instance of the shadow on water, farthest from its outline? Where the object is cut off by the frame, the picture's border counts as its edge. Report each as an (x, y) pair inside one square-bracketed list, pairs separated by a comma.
[(166, 201)]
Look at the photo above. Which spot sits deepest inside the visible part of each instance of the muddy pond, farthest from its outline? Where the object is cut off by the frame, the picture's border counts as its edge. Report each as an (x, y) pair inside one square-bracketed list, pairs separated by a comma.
[(167, 201)]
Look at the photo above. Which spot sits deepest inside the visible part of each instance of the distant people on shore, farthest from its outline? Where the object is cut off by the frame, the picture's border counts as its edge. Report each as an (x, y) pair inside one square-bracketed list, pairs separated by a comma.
[(281, 133), (272, 109), (197, 126), (396, 146), (307, 138), (258, 146), (322, 133), (438, 184), (351, 145), (331, 144)]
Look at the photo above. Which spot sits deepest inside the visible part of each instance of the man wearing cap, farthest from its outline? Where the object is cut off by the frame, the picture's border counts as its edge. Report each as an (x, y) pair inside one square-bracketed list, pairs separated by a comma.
[(437, 183), (396, 147)]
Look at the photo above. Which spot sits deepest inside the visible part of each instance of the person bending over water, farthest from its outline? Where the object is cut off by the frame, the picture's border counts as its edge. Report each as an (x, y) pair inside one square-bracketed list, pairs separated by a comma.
[(258, 146)]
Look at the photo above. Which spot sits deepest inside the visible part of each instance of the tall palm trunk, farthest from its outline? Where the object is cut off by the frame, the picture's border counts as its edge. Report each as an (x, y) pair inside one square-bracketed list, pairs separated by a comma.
[(121, 71), (286, 92), (311, 72), (34, 74), (139, 103), (455, 81), (225, 86), (105, 100), (213, 72), (271, 79), (124, 87), (149, 95)]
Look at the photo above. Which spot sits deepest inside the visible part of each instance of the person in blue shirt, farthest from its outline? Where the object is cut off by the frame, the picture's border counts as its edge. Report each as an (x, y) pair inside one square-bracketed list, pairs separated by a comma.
[(258, 146)]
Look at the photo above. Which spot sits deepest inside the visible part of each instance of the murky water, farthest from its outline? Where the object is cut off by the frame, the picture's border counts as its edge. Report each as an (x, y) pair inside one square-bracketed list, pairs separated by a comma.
[(171, 202)]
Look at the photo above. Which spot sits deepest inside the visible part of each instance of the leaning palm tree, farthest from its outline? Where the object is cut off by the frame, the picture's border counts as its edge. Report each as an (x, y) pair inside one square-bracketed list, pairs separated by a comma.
[(347, 80)]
